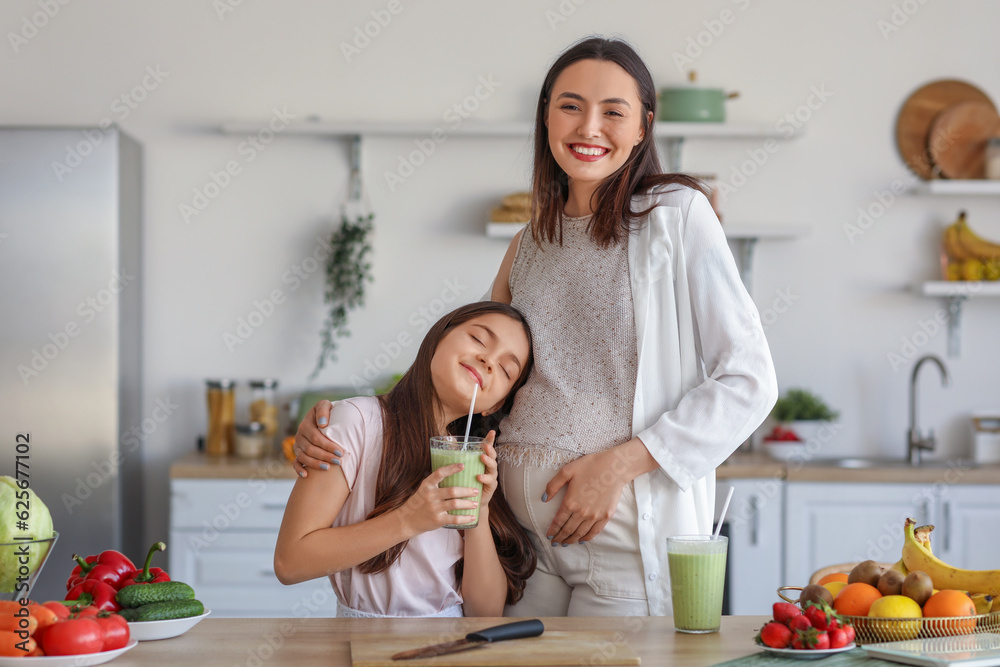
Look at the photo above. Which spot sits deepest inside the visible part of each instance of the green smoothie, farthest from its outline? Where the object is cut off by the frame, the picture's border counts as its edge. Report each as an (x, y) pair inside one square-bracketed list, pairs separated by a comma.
[(446, 450), (697, 577)]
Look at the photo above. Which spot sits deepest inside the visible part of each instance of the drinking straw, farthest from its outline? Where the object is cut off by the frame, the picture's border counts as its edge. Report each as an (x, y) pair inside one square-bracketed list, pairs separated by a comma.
[(725, 506), (472, 407)]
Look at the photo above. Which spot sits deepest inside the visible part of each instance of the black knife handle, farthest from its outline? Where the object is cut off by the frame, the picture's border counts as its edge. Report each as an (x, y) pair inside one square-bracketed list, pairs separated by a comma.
[(517, 630)]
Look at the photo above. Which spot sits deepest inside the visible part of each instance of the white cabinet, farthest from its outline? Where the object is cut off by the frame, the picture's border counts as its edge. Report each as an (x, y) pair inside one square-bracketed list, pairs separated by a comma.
[(756, 537), (966, 532), (222, 537), (830, 523)]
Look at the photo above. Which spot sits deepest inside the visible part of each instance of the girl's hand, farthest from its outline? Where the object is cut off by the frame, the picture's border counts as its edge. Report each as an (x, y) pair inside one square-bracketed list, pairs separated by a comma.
[(311, 447), (489, 478), (427, 509)]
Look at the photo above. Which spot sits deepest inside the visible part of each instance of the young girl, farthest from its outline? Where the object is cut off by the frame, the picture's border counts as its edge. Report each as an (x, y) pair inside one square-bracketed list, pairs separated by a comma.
[(651, 365), (373, 523)]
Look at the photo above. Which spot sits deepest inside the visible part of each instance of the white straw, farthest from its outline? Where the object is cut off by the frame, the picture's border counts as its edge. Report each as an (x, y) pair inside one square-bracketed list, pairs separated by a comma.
[(472, 407), (725, 506)]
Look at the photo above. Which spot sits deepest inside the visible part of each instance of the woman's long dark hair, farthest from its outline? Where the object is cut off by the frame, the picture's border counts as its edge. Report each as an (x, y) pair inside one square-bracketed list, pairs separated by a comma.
[(613, 214), (408, 417)]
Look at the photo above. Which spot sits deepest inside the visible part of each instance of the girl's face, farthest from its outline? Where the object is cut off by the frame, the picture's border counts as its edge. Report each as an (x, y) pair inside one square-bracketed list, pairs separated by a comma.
[(594, 118), (489, 351)]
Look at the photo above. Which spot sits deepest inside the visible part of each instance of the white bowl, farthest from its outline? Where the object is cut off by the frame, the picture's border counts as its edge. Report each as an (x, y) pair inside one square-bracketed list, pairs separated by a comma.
[(83, 660), (785, 450), (145, 631)]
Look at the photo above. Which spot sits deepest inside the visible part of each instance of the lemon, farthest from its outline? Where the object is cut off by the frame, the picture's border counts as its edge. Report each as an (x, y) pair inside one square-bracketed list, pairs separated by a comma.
[(834, 586), (897, 606)]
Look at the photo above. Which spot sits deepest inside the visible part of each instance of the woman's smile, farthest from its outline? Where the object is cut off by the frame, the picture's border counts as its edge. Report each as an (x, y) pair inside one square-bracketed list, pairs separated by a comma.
[(475, 374), (588, 152)]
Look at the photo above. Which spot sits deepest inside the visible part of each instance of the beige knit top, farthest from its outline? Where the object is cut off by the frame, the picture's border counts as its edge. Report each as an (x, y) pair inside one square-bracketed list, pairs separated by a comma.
[(578, 399)]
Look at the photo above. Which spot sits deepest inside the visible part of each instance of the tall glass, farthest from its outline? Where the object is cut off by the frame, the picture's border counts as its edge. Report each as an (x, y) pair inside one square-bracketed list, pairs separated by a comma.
[(448, 449), (697, 578)]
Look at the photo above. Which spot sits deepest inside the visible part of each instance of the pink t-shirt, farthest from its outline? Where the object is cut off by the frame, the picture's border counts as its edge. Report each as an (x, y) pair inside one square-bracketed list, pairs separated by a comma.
[(422, 582)]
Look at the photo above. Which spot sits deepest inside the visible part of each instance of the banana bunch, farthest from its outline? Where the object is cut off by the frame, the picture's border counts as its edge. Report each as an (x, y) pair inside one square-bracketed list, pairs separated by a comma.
[(983, 586), (970, 257)]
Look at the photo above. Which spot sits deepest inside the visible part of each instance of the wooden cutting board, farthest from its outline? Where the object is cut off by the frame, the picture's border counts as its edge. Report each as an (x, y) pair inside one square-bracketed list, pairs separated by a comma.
[(918, 113), (958, 136), (551, 648)]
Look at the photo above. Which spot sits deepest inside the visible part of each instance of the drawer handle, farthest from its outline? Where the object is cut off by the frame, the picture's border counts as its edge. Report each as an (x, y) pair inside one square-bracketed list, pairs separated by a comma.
[(267, 573), (273, 506)]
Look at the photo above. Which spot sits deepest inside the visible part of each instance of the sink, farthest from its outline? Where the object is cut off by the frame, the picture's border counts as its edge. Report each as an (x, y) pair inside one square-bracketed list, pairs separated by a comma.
[(874, 462)]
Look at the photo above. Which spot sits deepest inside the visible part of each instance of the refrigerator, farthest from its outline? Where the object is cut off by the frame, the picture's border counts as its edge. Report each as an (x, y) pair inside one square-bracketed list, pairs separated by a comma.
[(71, 334)]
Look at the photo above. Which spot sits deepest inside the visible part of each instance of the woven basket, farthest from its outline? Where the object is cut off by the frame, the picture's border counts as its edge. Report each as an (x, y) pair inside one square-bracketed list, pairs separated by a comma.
[(873, 630)]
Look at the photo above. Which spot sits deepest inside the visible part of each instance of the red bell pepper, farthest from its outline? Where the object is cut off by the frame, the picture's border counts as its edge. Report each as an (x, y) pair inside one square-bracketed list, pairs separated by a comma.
[(94, 592), (111, 567), (148, 575)]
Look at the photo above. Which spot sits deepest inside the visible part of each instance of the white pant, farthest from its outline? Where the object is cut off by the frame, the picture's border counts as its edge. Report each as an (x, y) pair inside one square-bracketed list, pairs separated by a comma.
[(602, 577)]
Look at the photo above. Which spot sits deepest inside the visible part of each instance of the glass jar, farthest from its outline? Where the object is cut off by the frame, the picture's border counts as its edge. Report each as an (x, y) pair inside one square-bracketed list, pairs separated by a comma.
[(993, 158), (250, 442), (264, 406), (221, 415)]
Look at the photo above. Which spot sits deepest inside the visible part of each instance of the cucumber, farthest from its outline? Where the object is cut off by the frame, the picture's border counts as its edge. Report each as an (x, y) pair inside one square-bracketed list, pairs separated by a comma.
[(143, 594), (163, 611)]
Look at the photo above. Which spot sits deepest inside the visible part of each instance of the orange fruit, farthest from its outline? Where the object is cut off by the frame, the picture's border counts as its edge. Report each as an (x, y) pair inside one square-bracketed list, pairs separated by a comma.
[(833, 576), (950, 603), (856, 599)]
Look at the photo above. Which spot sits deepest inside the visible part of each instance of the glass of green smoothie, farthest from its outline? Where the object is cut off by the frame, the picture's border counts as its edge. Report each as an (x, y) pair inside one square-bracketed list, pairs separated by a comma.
[(448, 449), (697, 577)]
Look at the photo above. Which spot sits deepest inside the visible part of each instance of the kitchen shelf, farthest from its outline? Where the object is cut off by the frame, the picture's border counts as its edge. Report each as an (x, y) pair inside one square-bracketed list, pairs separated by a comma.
[(745, 234), (955, 292), (948, 187)]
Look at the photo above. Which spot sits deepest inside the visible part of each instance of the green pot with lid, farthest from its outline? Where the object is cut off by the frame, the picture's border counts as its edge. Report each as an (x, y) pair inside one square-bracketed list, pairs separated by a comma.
[(693, 104)]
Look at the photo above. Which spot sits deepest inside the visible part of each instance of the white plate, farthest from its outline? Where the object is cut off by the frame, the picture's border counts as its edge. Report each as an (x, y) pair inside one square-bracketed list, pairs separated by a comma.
[(145, 631), (806, 654), (69, 660)]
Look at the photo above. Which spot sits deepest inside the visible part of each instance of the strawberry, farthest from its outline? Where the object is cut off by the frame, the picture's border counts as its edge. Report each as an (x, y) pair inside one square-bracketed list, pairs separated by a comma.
[(800, 622), (849, 632), (785, 612), (817, 616), (834, 623), (838, 638), (775, 635), (800, 643), (822, 641)]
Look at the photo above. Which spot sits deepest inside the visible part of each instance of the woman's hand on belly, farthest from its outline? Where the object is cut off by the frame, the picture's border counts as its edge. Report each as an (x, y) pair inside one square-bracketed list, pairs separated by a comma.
[(594, 486)]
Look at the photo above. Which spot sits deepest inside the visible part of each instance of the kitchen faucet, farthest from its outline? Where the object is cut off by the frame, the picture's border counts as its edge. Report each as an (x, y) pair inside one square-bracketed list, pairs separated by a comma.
[(916, 443)]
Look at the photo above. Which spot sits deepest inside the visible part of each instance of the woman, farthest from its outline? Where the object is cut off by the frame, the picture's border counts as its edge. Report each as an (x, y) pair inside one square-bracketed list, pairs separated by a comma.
[(651, 366)]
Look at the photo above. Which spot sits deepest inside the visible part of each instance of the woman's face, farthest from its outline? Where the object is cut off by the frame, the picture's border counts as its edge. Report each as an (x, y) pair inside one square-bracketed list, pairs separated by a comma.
[(490, 351), (594, 118)]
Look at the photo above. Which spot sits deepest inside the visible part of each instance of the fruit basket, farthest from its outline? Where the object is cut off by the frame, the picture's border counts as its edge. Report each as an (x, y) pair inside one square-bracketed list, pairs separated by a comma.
[(870, 630)]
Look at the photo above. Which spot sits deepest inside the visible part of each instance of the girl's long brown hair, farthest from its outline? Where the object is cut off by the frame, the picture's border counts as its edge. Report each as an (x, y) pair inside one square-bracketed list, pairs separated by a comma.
[(613, 214), (408, 424)]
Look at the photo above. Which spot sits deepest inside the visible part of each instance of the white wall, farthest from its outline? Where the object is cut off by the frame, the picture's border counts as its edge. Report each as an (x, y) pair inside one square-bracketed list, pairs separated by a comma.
[(851, 307)]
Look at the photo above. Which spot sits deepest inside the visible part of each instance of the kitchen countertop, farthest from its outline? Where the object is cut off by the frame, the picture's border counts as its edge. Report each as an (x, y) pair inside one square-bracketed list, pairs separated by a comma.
[(326, 641), (197, 465)]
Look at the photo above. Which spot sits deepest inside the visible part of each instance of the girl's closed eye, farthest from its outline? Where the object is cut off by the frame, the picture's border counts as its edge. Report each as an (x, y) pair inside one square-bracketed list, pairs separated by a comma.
[(477, 340)]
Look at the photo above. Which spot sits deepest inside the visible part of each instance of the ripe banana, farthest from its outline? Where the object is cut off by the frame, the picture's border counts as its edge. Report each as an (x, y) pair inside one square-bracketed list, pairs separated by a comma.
[(975, 245), (955, 250), (918, 556), (899, 566), (983, 602)]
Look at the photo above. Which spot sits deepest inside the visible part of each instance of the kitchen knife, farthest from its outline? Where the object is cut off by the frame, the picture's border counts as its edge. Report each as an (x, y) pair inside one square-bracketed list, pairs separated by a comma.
[(497, 633)]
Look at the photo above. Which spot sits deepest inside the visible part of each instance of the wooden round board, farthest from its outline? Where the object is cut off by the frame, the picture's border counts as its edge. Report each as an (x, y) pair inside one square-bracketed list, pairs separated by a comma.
[(917, 114), (957, 140)]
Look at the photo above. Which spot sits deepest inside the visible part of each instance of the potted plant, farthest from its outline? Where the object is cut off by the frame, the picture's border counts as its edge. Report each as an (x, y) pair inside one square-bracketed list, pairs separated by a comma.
[(799, 414)]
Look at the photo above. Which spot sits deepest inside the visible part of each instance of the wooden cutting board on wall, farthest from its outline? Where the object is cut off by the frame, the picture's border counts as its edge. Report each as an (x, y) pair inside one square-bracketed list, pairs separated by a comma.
[(552, 648)]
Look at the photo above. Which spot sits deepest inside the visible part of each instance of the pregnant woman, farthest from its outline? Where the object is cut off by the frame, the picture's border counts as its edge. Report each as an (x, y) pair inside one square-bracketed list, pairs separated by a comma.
[(651, 365)]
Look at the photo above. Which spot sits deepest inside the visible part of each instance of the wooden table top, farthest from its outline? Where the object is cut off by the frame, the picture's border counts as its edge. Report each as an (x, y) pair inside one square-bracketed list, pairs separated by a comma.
[(270, 642)]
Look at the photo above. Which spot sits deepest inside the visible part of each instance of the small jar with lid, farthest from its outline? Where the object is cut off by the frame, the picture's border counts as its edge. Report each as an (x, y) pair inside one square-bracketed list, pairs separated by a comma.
[(221, 415), (250, 442), (993, 158), (264, 407)]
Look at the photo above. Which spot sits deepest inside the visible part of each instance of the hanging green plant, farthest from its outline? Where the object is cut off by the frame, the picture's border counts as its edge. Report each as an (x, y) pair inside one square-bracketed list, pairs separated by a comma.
[(347, 271)]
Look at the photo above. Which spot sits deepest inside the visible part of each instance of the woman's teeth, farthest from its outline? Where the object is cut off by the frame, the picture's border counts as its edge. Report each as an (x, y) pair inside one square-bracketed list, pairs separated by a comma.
[(583, 150)]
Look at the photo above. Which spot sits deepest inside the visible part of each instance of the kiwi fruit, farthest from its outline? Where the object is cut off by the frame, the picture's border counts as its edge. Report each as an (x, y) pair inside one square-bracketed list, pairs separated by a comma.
[(815, 593), (918, 587), (891, 582), (867, 571)]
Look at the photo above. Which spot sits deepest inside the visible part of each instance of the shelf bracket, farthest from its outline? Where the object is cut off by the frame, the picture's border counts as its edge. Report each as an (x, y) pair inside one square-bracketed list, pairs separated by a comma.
[(674, 146), (355, 189), (955, 325), (745, 247)]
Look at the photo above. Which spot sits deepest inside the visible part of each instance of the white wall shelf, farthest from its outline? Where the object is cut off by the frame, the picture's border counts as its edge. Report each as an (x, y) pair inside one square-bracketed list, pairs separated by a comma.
[(965, 188), (955, 292)]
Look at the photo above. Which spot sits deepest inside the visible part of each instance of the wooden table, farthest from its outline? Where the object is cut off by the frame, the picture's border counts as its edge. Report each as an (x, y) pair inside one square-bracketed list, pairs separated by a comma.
[(273, 642)]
